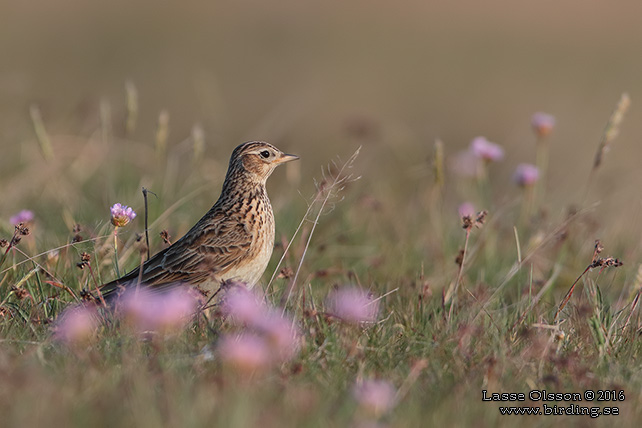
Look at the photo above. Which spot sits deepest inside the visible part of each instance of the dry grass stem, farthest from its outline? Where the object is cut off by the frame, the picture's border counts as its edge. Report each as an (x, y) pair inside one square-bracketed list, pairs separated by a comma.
[(596, 262), (334, 179)]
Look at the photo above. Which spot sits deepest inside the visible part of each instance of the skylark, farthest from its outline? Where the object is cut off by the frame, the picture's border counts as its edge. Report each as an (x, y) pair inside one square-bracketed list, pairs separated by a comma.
[(232, 241)]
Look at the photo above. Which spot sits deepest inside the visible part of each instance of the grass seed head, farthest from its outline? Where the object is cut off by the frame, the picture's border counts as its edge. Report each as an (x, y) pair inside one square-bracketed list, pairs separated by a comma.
[(22, 229), (286, 272), (460, 258), (598, 246), (481, 218), (607, 262), (20, 292), (478, 221), (85, 260), (164, 234)]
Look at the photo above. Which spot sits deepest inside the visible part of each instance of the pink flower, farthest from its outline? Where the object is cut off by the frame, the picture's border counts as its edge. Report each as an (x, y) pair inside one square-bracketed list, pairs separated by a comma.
[(121, 215), (484, 149), (76, 325), (24, 216), (466, 209), (542, 124), (283, 337), (525, 175), (375, 396), (246, 353), (148, 310), (244, 306), (353, 305)]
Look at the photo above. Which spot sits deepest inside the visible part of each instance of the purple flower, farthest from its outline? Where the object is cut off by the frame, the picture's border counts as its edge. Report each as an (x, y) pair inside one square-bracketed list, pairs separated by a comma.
[(375, 396), (76, 325), (484, 149), (353, 305), (159, 311), (121, 215), (542, 124), (24, 216), (244, 306), (525, 174), (283, 337), (246, 353), (467, 209)]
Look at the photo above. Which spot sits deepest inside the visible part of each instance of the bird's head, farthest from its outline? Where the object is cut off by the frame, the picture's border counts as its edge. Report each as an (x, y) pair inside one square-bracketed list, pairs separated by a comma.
[(257, 159)]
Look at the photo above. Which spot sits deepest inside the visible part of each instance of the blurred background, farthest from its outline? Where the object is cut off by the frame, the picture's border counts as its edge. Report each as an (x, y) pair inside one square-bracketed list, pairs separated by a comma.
[(318, 79)]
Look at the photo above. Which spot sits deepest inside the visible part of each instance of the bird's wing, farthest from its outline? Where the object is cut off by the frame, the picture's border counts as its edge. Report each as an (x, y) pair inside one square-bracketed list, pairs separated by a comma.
[(208, 250)]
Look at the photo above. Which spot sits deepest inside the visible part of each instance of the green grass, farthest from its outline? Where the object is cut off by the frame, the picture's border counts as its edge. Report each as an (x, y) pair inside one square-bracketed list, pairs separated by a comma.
[(497, 334)]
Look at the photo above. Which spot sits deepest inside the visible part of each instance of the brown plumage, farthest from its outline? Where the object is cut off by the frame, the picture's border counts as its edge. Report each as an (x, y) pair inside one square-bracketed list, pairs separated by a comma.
[(232, 241)]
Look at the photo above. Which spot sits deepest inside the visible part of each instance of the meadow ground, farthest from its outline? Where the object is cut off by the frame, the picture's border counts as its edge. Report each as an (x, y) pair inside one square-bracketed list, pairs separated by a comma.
[(450, 323), (99, 103)]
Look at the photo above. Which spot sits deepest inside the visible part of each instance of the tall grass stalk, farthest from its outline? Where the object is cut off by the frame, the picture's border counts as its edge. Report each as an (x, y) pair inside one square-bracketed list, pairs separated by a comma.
[(455, 288), (41, 133), (116, 251), (162, 135), (611, 131), (541, 162), (131, 105), (331, 185)]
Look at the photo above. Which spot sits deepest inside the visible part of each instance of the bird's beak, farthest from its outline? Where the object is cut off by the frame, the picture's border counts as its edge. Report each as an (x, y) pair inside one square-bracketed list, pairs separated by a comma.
[(286, 158)]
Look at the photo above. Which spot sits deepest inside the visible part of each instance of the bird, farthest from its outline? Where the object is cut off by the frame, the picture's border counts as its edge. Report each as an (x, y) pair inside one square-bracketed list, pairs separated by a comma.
[(233, 241)]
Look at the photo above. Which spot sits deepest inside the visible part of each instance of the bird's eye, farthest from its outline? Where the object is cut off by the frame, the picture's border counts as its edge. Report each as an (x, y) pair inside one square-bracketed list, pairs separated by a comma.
[(265, 154)]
